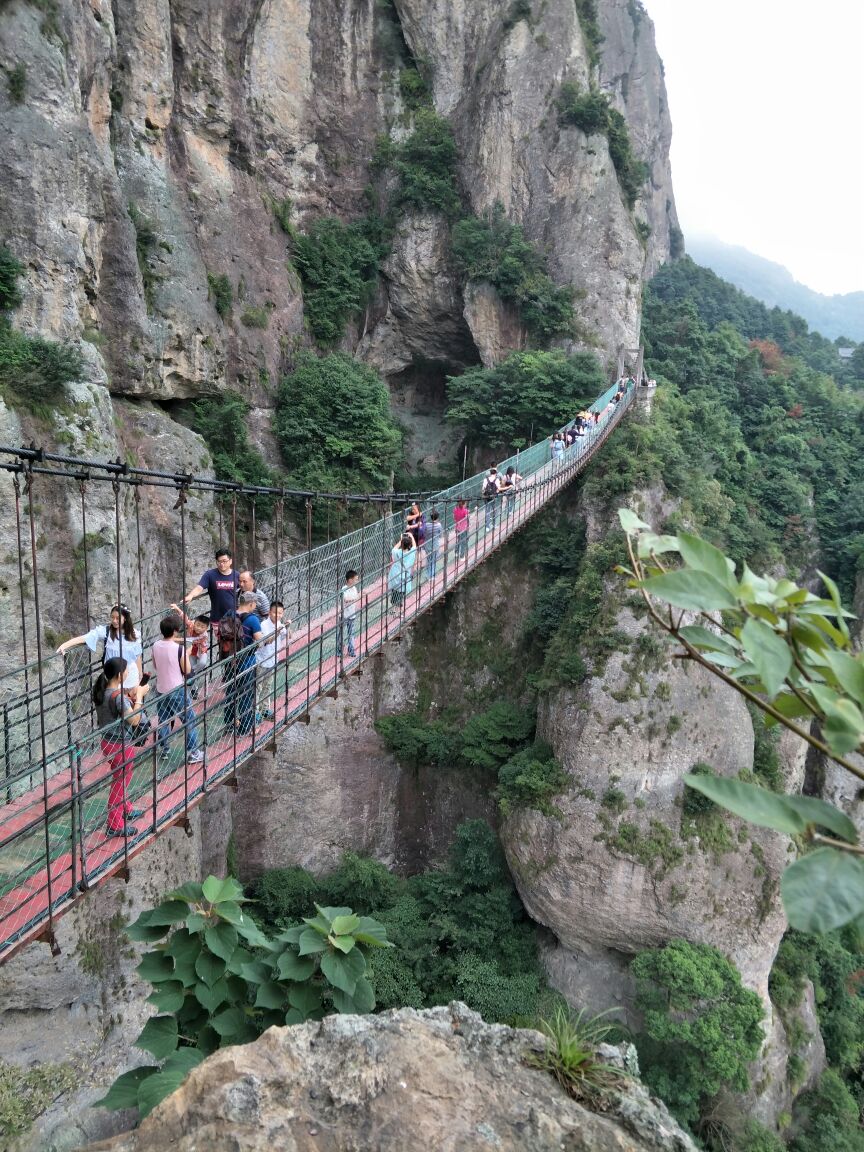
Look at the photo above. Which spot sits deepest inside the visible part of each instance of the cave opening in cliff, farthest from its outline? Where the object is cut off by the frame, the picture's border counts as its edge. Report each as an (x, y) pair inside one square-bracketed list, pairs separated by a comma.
[(418, 397)]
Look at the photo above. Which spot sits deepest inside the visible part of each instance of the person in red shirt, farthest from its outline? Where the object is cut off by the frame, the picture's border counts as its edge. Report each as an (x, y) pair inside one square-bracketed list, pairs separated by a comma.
[(460, 519)]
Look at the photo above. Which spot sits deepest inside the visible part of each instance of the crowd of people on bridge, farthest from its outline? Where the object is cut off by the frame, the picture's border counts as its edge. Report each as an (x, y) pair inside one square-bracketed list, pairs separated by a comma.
[(248, 633)]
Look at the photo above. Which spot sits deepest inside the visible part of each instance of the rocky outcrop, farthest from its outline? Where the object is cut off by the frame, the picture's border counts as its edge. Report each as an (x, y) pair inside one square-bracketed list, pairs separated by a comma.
[(624, 865), (632, 73), (350, 1082)]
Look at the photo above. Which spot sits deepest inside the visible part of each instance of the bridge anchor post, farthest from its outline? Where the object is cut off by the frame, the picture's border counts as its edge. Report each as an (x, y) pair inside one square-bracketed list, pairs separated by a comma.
[(48, 937)]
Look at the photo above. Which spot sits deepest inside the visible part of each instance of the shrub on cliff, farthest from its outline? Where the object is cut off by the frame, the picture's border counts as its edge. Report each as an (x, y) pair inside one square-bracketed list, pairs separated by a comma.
[(701, 1027), (529, 393), (334, 426), (593, 113), (32, 370), (494, 250), (338, 265)]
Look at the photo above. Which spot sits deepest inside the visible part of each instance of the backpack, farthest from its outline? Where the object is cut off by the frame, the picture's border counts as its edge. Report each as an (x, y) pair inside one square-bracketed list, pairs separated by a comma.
[(135, 733), (490, 486), (231, 635)]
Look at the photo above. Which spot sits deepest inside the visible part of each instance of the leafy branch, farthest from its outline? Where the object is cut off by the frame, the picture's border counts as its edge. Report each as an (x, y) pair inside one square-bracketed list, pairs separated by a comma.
[(789, 652)]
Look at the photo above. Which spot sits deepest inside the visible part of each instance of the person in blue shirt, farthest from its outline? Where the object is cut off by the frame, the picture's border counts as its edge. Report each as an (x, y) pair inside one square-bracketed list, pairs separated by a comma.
[(221, 584), (240, 686)]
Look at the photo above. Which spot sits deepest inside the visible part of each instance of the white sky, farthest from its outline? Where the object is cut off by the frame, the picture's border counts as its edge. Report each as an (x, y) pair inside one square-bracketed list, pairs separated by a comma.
[(767, 104)]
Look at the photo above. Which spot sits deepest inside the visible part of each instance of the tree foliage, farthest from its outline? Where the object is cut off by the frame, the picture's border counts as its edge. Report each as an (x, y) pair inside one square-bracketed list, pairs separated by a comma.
[(334, 425), (494, 250), (460, 932), (338, 265), (701, 1027), (425, 164), (223, 423), (218, 980), (529, 390)]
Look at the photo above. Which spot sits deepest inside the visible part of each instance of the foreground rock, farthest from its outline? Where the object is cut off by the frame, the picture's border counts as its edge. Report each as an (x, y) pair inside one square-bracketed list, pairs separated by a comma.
[(439, 1079)]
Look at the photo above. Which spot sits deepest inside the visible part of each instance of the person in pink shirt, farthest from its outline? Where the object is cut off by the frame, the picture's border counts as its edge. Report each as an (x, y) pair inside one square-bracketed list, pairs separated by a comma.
[(460, 519), (172, 667)]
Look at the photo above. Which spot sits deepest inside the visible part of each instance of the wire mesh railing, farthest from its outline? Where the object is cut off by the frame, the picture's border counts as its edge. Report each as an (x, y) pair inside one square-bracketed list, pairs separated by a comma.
[(79, 801)]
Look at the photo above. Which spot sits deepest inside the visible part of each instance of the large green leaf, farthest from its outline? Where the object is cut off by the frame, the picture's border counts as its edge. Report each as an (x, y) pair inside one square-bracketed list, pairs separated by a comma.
[(372, 932), (168, 996), (343, 971), (192, 892), (826, 815), (270, 995), (843, 727), (158, 1036), (701, 637), (212, 996), (631, 523), (218, 891), (757, 805), (144, 932), (768, 653), (305, 999), (311, 941), (256, 972), (362, 1001), (123, 1093), (849, 671), (291, 935), (156, 966), (246, 927), (650, 543), (343, 943), (230, 1023), (294, 967), (240, 957), (834, 593), (704, 557), (698, 591), (210, 968), (344, 925), (169, 912), (823, 890), (174, 1071), (221, 939)]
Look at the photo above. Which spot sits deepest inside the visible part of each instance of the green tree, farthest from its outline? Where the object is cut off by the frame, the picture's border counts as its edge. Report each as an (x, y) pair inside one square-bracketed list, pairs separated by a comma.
[(827, 1119), (223, 422), (334, 425), (541, 390), (593, 113), (701, 1027)]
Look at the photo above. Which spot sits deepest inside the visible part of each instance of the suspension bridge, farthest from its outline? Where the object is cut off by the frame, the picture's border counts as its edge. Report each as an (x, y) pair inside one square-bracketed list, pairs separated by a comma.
[(55, 781)]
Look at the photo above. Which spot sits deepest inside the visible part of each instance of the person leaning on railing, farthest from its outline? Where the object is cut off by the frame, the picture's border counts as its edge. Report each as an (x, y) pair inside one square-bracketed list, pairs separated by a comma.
[(117, 710), (119, 639)]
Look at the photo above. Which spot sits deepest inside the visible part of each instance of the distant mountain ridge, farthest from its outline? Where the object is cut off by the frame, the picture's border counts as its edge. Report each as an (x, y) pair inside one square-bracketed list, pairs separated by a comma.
[(774, 285)]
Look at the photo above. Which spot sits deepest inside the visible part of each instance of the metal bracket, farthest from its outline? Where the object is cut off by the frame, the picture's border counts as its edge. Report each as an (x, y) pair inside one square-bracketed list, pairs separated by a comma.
[(48, 937), (333, 694), (230, 782)]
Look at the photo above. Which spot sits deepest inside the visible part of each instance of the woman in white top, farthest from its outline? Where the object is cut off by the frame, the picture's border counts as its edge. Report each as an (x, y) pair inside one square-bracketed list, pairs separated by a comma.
[(119, 633)]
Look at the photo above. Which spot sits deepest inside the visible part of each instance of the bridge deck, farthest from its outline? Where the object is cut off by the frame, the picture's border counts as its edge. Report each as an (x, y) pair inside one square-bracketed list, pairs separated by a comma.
[(54, 845)]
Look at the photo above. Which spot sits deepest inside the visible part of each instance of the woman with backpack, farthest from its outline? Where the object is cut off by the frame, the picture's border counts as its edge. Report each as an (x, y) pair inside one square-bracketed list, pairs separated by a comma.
[(400, 581), (120, 716), (119, 639)]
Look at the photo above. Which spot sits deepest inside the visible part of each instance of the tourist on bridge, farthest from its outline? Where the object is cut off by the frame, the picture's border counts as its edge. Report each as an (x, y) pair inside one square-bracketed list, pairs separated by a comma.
[(434, 540), (400, 582), (508, 489), (557, 450), (240, 677), (172, 664), (118, 638), (348, 599), (221, 584), (276, 632), (198, 639), (461, 520), (119, 714), (490, 491), (262, 600)]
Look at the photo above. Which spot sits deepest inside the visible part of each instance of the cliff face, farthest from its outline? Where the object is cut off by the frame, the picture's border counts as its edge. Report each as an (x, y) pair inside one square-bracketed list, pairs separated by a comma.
[(200, 115)]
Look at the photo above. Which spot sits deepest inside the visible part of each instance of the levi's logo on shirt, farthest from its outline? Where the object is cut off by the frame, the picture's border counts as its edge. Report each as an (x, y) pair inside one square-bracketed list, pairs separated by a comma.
[(225, 584)]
